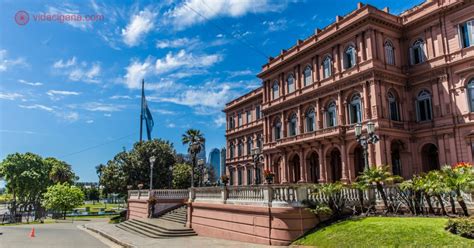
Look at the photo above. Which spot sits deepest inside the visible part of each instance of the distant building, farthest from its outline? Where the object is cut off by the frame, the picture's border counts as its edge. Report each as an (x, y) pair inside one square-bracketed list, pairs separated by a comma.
[(215, 163), (202, 153), (222, 164)]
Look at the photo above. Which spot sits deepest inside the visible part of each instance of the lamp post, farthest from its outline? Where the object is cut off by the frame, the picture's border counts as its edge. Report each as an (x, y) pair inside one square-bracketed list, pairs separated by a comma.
[(257, 157), (171, 176), (201, 170), (364, 141), (152, 162), (194, 148)]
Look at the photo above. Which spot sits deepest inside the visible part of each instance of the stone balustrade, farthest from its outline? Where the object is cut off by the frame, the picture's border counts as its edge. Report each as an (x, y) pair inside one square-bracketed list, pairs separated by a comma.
[(175, 194)]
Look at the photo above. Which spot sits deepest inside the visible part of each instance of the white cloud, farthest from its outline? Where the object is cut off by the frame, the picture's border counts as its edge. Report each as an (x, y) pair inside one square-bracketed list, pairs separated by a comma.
[(165, 112), (177, 43), (278, 25), (65, 64), (6, 63), (140, 24), (171, 125), (59, 94), (10, 96), (233, 74), (90, 121), (182, 59), (186, 14), (79, 71), (102, 107), (69, 116), (205, 96), (37, 106), (68, 9), (137, 71), (107, 115), (116, 97), (29, 83), (220, 121)]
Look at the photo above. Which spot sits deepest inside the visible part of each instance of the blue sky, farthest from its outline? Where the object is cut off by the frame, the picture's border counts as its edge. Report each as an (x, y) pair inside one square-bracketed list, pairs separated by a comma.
[(66, 87)]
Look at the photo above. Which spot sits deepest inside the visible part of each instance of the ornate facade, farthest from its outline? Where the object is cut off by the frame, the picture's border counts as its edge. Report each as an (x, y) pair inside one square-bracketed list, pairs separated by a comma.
[(411, 74)]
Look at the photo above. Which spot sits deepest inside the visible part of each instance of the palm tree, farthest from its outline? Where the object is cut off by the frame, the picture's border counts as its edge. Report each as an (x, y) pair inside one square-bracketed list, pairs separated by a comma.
[(195, 141), (379, 176), (459, 178)]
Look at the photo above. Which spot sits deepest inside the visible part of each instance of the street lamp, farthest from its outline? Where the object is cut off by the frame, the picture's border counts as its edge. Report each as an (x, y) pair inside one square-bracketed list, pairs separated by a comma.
[(257, 157), (194, 148), (201, 170), (171, 176), (364, 141), (152, 162)]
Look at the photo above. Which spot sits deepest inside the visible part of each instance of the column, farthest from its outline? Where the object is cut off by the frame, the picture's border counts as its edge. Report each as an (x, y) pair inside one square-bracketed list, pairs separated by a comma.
[(370, 39), (284, 178), (283, 125), (341, 109), (265, 91), (302, 166), (344, 162), (300, 120), (367, 115), (316, 69), (318, 116), (298, 77), (322, 169)]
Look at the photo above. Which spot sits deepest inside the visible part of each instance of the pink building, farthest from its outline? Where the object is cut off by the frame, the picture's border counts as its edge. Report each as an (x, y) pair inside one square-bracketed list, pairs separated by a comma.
[(411, 74)]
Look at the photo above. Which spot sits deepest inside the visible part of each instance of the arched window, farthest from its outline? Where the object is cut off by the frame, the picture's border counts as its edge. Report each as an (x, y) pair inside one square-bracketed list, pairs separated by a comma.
[(470, 94), (275, 90), (231, 122), (240, 148), (417, 52), (467, 33), (327, 67), (292, 123), (423, 106), (249, 176), (231, 150), (394, 112), (249, 145), (389, 53), (239, 175), (355, 110), (277, 129), (349, 57), (290, 81), (308, 78), (331, 115), (310, 118), (259, 141)]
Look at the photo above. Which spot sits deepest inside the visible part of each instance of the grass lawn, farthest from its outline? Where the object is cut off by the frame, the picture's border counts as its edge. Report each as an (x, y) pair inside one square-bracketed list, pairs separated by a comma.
[(97, 205), (386, 232)]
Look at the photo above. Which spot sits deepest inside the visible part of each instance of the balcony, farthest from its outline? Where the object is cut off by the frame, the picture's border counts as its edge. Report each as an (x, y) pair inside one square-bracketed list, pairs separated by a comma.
[(319, 134)]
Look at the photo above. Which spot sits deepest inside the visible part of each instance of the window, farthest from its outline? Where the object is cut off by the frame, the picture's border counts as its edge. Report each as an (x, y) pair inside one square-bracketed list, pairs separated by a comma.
[(308, 79), (249, 176), (231, 122), (249, 116), (349, 57), (355, 110), (240, 148), (292, 125), (423, 106), (231, 151), (470, 94), (393, 107), (310, 120), (275, 90), (417, 52), (259, 141), (231, 177), (331, 115), (239, 176), (467, 33), (249, 145), (258, 172), (239, 117), (290, 81), (277, 129), (389, 53), (327, 64), (258, 114)]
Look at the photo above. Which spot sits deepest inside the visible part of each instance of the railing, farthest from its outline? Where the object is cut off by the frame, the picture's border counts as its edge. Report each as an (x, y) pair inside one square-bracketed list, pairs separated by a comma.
[(207, 194), (246, 194), (138, 194), (171, 194)]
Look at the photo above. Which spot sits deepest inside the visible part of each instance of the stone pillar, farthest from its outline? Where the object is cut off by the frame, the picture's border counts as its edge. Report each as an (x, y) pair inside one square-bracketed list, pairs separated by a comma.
[(370, 39), (283, 125), (318, 115), (322, 168), (340, 109), (344, 162), (298, 77), (284, 167), (300, 127), (302, 164), (366, 89)]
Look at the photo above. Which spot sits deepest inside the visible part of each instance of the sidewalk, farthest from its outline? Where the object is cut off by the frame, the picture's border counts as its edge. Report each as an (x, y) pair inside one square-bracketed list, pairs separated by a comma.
[(128, 239)]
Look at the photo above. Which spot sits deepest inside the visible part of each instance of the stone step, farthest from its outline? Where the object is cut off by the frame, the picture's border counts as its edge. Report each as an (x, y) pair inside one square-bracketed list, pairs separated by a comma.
[(161, 231), (164, 226), (152, 233), (169, 218)]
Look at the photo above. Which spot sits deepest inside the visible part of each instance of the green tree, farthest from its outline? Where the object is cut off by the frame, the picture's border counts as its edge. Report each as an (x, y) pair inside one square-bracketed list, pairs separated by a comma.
[(63, 197), (61, 172), (436, 185), (195, 141), (379, 176), (27, 177), (113, 177), (458, 179), (181, 175)]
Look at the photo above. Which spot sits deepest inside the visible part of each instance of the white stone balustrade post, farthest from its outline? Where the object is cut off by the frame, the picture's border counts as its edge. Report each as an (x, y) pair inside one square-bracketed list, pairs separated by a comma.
[(192, 195), (268, 195), (301, 194), (224, 194)]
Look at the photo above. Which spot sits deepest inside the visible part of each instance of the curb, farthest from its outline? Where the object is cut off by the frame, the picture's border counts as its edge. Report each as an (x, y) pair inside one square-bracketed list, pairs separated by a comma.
[(110, 237)]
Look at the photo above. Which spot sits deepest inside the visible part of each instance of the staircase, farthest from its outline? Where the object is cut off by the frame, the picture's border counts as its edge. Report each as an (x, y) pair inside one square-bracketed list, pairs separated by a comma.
[(169, 225)]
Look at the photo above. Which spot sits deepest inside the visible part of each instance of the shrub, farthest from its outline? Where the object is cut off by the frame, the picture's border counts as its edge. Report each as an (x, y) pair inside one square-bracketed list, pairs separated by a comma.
[(461, 226)]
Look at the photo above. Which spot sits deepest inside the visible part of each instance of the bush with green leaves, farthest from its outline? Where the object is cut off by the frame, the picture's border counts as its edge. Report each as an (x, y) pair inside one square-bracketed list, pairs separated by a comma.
[(334, 201), (461, 226)]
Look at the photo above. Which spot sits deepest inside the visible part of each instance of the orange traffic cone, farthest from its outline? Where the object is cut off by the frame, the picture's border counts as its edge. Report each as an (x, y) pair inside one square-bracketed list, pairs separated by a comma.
[(32, 233)]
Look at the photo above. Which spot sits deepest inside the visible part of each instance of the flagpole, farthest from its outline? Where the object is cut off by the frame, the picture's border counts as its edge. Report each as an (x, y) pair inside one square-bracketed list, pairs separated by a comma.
[(141, 110)]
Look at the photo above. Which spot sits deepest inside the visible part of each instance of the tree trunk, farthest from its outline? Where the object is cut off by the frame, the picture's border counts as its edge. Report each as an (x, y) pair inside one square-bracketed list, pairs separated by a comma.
[(461, 202), (428, 200), (361, 200), (384, 197), (453, 204), (417, 200), (440, 199)]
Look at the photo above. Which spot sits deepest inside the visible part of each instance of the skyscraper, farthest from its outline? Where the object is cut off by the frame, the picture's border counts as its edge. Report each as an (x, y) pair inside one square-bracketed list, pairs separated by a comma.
[(214, 162), (223, 156), (202, 153)]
